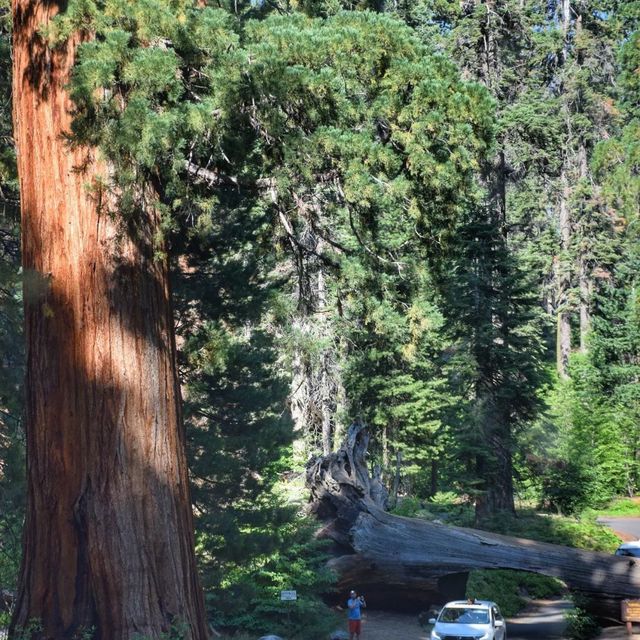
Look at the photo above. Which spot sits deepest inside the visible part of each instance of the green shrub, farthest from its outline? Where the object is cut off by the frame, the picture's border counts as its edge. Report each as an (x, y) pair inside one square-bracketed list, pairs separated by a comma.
[(5, 619), (408, 507), (580, 625), (247, 598), (445, 500), (445, 506), (567, 487), (582, 533), (449, 507), (618, 507)]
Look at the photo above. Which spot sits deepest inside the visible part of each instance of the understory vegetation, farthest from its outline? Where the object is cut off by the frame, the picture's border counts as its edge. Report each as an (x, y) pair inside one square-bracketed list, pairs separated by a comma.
[(580, 531), (511, 590)]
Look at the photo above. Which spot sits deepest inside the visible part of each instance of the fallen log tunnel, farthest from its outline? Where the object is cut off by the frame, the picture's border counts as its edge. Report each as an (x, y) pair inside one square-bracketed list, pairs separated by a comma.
[(408, 563)]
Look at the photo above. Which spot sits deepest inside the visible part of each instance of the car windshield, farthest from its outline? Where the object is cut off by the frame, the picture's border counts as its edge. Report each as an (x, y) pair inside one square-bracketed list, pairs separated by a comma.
[(632, 551), (464, 615)]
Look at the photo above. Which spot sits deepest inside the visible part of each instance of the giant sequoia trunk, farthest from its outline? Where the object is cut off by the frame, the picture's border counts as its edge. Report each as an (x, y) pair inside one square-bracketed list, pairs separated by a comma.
[(108, 543), (409, 562)]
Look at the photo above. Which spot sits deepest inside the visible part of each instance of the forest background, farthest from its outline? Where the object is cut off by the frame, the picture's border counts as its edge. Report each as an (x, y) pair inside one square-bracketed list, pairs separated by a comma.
[(420, 214)]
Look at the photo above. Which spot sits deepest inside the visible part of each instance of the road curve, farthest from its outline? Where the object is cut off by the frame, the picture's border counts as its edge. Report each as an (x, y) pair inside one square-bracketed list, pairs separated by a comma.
[(628, 526), (542, 619)]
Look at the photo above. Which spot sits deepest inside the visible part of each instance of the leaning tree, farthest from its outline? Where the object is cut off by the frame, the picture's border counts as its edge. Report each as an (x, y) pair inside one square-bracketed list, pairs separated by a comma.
[(108, 544)]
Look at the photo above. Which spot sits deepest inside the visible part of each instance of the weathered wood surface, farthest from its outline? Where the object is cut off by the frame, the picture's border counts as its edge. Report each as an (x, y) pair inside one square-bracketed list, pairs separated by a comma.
[(407, 561)]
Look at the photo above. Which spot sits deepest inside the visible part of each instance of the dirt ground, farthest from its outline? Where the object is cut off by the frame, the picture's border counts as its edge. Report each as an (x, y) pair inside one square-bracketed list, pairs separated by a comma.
[(382, 625), (541, 620)]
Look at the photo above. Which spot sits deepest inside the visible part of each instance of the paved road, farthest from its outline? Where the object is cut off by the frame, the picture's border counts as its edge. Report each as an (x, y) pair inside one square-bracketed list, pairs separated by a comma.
[(618, 633), (543, 620), (630, 526)]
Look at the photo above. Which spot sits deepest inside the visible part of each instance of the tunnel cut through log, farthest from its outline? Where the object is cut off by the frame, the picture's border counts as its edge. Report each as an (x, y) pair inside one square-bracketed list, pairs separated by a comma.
[(399, 562)]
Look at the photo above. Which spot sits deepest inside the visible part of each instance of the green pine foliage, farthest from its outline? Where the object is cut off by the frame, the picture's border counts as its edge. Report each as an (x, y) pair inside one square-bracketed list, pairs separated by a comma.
[(365, 167), (554, 91), (397, 375), (149, 60), (12, 486), (7, 153), (596, 410), (249, 594), (498, 328), (251, 541)]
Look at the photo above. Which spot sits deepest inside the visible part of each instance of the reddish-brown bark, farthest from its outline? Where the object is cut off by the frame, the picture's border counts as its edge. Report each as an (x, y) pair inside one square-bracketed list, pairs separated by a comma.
[(108, 539)]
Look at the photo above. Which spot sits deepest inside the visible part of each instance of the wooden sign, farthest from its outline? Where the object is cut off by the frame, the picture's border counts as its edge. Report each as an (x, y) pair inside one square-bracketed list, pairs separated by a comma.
[(630, 610), (288, 595)]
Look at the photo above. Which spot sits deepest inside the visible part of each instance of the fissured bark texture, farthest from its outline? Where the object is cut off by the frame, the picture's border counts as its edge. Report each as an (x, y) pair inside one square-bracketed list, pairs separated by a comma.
[(108, 544)]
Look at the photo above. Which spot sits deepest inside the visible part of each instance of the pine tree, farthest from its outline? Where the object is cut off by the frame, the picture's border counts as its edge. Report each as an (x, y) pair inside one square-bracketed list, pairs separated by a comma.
[(489, 303), (615, 341), (360, 173), (596, 409), (586, 75), (494, 310), (397, 375), (251, 541)]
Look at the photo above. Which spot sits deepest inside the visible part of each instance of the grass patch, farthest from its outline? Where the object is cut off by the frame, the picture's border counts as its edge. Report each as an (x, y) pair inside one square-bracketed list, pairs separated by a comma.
[(510, 589), (618, 507), (444, 507), (582, 533)]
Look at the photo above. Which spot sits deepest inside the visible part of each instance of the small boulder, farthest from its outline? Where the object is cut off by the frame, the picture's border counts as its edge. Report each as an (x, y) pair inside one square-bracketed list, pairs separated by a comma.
[(270, 638), (339, 635)]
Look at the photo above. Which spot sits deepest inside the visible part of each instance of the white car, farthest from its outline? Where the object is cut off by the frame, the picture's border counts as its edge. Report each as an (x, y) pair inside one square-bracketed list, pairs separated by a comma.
[(469, 620), (629, 549)]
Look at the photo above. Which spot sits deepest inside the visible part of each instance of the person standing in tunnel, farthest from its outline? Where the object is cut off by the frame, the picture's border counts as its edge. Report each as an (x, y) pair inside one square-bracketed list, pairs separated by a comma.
[(354, 604)]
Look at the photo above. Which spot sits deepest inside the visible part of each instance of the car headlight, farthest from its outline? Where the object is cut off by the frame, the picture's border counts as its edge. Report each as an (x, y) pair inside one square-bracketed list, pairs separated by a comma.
[(484, 636)]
